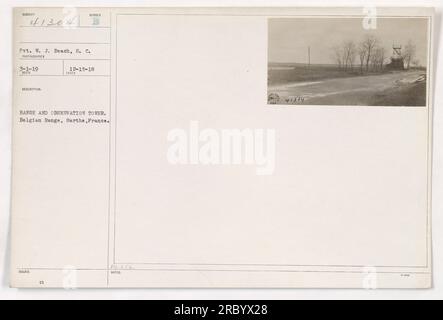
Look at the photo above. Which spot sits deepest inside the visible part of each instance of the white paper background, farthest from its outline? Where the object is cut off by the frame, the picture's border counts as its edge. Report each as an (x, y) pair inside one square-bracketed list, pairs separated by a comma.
[(5, 129)]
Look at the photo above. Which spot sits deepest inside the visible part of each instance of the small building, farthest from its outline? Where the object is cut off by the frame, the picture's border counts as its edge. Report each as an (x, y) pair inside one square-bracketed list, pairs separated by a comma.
[(397, 60)]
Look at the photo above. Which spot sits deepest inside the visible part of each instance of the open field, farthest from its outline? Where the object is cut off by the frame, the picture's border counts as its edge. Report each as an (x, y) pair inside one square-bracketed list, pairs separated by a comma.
[(282, 73), (326, 85)]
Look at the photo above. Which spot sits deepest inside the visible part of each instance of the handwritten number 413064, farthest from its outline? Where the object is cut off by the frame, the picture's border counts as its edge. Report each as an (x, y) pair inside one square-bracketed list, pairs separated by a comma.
[(51, 22)]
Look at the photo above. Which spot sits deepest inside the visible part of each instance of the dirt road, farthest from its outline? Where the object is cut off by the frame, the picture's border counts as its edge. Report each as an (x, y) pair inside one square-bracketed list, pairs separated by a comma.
[(395, 88)]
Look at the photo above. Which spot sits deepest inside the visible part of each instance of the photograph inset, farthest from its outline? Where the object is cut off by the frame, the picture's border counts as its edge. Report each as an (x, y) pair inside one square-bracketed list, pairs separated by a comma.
[(337, 61)]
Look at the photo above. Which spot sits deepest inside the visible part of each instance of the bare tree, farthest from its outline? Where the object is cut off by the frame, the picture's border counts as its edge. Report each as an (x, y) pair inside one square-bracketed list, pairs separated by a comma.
[(382, 57), (378, 58), (337, 55), (370, 54), (361, 51), (370, 43), (349, 53), (409, 53), (374, 60), (344, 55)]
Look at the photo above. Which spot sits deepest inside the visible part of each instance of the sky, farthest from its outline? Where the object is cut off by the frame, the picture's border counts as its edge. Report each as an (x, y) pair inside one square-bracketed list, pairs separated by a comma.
[(289, 38)]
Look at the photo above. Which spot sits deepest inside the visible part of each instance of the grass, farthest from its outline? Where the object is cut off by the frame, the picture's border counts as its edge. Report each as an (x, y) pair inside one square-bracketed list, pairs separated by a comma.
[(286, 73), (405, 95), (409, 95)]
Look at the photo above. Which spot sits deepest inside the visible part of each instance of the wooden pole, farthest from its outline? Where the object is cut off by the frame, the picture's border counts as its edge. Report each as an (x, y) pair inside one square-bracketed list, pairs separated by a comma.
[(309, 56)]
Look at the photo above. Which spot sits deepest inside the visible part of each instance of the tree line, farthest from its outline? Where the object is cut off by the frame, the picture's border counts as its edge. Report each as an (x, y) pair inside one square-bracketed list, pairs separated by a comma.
[(369, 55)]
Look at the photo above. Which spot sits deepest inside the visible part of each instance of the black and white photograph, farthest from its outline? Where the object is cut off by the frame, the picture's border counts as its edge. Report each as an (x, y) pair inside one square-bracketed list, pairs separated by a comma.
[(381, 61)]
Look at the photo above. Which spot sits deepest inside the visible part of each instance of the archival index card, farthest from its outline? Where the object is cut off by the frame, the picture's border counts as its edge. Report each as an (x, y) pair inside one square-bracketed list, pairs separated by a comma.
[(222, 147)]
